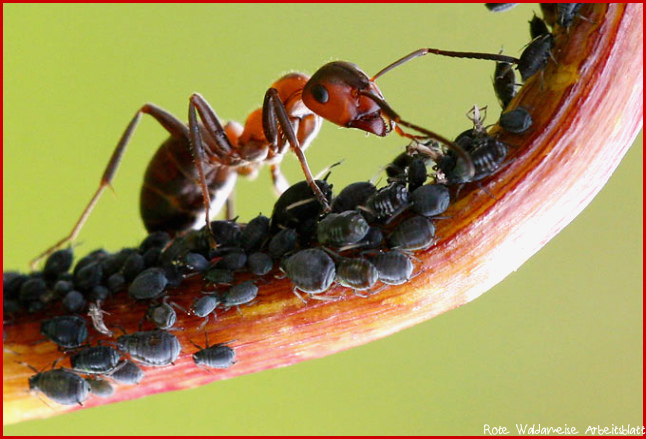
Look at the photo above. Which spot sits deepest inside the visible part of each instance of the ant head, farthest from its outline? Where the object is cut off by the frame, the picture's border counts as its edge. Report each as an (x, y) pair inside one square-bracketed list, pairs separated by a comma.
[(334, 93)]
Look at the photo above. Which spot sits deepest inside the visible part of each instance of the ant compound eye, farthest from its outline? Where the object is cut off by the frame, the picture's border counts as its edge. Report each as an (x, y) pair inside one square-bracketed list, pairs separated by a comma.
[(320, 94)]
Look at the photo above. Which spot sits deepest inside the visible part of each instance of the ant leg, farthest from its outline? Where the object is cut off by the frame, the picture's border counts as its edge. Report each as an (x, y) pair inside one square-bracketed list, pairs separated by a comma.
[(392, 115), (173, 125), (280, 182), (274, 114)]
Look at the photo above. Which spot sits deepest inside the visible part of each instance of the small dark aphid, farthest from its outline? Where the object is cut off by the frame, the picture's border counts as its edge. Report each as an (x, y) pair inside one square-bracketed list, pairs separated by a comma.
[(73, 301), (96, 315), (338, 229), (500, 7), (516, 121), (297, 204), (150, 284), (116, 283), (114, 263), (162, 315), (430, 199), (218, 356), (282, 243), (12, 283), (132, 266), (259, 263), (205, 305), (255, 233), (195, 262), (95, 360), (154, 240), (58, 262), (89, 276), (394, 268), (151, 348), (352, 196), (219, 276), (61, 386), (65, 331), (32, 289), (226, 233), (240, 294), (416, 233), (356, 273), (387, 201), (100, 292), (151, 256), (311, 270), (373, 239), (537, 27), (233, 260), (486, 152), (101, 388), (566, 12), (504, 83), (535, 56), (550, 13), (127, 372), (408, 168)]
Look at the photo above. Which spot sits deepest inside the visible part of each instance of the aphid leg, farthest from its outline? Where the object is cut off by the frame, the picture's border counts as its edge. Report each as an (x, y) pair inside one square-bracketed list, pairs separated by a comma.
[(275, 114), (174, 126), (299, 296)]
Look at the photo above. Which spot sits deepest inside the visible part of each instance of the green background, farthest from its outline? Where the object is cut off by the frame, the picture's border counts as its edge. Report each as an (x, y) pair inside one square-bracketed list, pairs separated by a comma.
[(558, 342)]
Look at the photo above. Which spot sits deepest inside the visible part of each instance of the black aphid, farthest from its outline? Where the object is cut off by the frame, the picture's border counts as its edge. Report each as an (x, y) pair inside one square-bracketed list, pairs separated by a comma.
[(149, 284), (339, 229), (58, 262), (282, 243), (259, 263), (516, 121), (566, 12), (387, 201), (204, 306), (356, 273), (95, 360), (154, 240), (132, 266), (394, 268), (73, 301), (32, 289), (255, 233), (504, 83), (100, 388), (537, 27), (297, 204), (219, 276), (430, 199), (127, 372), (409, 168), (89, 276), (535, 56), (240, 294), (226, 233), (65, 331), (151, 348), (416, 233), (500, 7), (311, 271), (218, 356), (352, 196), (163, 315), (233, 260), (61, 386)]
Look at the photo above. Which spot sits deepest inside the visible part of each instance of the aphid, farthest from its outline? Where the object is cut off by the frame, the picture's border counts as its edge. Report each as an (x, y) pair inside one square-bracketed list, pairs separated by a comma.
[(339, 229), (95, 360), (416, 233), (516, 121), (151, 348), (151, 256), (311, 271), (537, 27), (73, 301), (535, 56), (233, 260), (255, 233), (163, 315), (32, 289), (149, 284), (58, 262), (219, 276), (96, 315), (116, 283), (226, 233), (373, 239), (65, 331), (195, 262), (133, 265), (204, 306), (297, 204), (504, 83), (430, 199), (282, 243), (550, 12), (291, 116), (394, 268), (100, 388), (157, 239), (61, 386), (259, 263), (356, 273), (240, 294), (127, 372), (100, 292), (352, 196), (387, 202), (408, 168), (89, 276), (566, 12), (218, 356), (500, 7)]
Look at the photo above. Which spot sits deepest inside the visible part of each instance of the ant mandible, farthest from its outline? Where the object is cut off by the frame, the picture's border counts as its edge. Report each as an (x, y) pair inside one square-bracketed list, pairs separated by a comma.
[(200, 161)]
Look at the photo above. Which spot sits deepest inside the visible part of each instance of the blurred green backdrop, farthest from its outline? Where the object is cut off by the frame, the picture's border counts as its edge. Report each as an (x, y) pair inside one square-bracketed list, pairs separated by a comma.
[(558, 342)]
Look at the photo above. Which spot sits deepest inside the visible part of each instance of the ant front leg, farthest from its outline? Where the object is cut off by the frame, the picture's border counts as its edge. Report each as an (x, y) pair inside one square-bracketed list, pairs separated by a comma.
[(174, 126), (274, 114)]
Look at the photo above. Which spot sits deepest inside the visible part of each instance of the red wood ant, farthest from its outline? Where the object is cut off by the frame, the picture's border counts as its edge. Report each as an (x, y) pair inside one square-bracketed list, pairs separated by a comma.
[(200, 161)]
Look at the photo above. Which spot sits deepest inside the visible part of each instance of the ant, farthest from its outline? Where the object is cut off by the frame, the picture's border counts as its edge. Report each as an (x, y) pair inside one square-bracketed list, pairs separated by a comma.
[(194, 171)]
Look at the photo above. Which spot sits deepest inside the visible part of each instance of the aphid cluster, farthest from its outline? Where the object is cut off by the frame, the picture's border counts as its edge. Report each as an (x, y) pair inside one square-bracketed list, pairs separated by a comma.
[(360, 239)]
